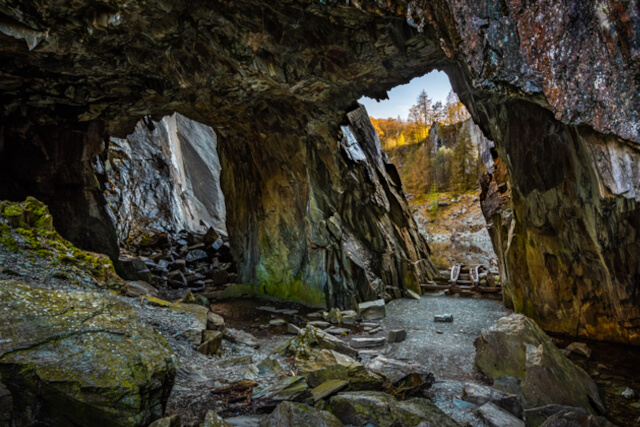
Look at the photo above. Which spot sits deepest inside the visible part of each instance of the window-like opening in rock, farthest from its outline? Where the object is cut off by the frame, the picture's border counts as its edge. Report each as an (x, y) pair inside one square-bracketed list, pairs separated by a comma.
[(164, 195), (440, 154)]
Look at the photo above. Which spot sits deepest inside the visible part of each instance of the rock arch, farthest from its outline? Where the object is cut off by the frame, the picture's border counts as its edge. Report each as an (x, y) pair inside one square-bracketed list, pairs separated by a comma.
[(552, 83)]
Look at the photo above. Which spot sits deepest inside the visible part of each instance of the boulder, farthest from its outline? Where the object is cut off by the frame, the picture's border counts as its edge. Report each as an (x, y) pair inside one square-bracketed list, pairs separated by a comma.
[(401, 377), (330, 365), (298, 414), (80, 358), (495, 416), (214, 420), (372, 310), (479, 395), (382, 409), (516, 347)]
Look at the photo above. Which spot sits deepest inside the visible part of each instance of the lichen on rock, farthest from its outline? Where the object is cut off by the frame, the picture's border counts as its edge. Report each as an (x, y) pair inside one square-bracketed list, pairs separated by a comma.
[(80, 358)]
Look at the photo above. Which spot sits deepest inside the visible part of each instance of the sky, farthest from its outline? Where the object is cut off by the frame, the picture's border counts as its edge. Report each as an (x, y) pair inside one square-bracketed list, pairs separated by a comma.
[(401, 98)]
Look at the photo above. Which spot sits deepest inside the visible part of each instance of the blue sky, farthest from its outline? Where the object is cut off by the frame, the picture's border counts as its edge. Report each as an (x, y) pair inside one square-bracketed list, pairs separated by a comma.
[(401, 98)]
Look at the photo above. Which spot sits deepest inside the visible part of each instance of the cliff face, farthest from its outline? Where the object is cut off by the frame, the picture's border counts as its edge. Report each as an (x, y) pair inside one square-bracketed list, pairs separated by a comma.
[(552, 83), (165, 177)]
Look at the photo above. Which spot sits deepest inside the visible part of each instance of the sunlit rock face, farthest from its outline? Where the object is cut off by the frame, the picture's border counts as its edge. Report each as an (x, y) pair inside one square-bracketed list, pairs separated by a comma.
[(164, 178), (546, 81)]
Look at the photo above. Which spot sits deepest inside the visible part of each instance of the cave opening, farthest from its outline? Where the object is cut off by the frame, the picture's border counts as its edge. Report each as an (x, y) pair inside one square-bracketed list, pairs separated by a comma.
[(441, 156), (164, 196)]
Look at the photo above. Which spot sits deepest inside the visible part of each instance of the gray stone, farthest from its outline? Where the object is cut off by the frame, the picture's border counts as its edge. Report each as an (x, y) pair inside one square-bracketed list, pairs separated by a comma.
[(240, 337), (289, 388), (403, 378), (215, 322), (329, 365), (579, 348), (334, 316), (495, 416), (372, 310), (337, 331), (349, 317), (381, 409), (413, 295), (211, 343), (328, 388), (319, 324), (480, 394), (367, 342), (535, 417), (628, 393), (277, 322), (196, 255), (397, 335), (172, 421), (576, 419), (292, 329), (214, 420), (443, 318), (299, 414), (140, 288)]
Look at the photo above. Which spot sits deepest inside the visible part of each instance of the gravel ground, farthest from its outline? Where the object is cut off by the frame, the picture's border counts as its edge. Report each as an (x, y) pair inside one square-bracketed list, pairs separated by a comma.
[(446, 349), (449, 354)]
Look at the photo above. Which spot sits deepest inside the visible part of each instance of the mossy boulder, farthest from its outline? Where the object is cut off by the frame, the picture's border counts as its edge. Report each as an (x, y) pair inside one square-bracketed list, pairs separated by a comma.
[(381, 409), (516, 347), (80, 358), (27, 227)]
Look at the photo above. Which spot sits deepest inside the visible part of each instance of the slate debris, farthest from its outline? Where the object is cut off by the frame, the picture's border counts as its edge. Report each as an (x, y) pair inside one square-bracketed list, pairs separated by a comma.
[(199, 262)]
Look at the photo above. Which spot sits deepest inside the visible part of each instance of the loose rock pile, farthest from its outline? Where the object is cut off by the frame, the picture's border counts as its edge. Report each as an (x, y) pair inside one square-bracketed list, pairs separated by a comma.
[(186, 261)]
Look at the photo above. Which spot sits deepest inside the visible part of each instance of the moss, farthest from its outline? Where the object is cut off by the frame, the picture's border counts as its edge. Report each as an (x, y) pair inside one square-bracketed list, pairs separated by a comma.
[(6, 239), (34, 232), (285, 286)]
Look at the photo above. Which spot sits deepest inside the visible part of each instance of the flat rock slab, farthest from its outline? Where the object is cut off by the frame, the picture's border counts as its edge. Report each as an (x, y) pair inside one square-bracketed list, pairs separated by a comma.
[(367, 342), (337, 331), (319, 324), (495, 416), (480, 394), (328, 388)]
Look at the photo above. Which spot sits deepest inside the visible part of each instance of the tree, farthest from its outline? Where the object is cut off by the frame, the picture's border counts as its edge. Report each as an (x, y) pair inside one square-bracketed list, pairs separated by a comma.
[(421, 114), (455, 110)]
